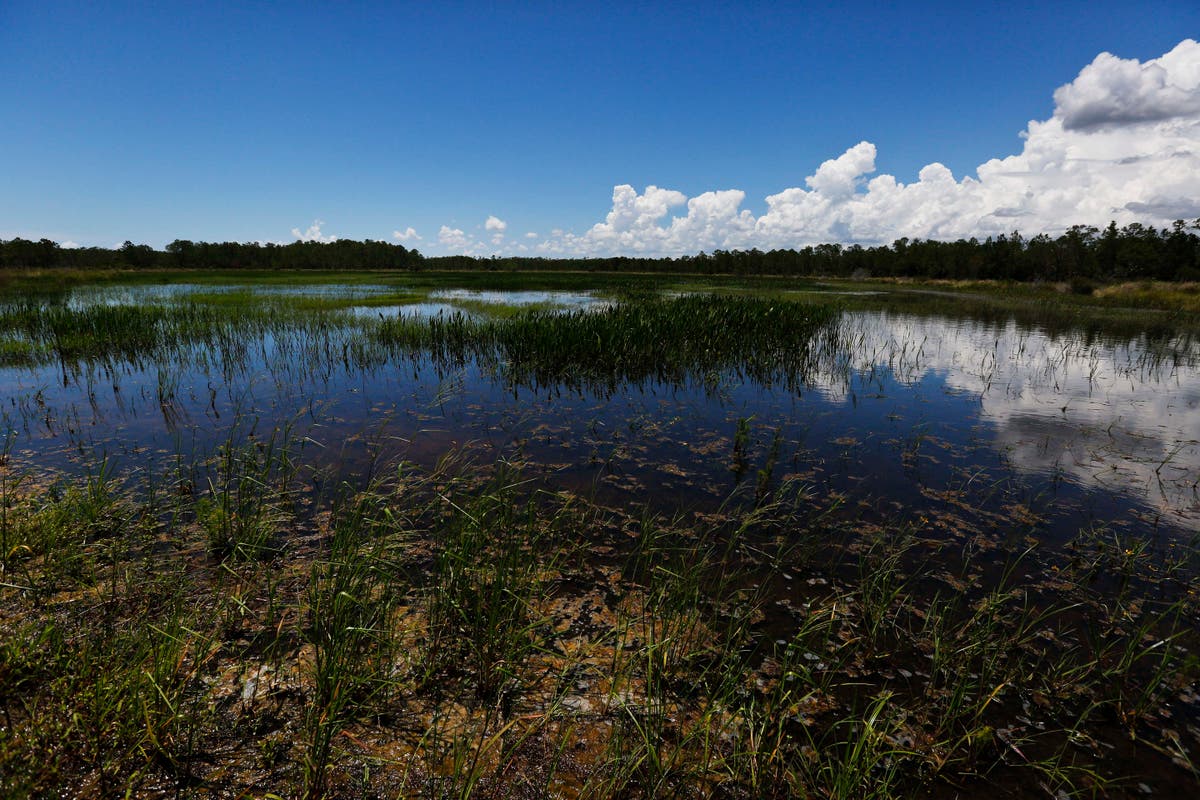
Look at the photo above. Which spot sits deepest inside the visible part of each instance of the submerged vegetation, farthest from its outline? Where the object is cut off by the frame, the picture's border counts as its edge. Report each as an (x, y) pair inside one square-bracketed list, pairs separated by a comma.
[(261, 613), (465, 632)]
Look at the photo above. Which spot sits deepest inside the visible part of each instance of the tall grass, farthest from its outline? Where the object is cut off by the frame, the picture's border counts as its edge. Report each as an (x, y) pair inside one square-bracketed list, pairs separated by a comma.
[(446, 634), (350, 627), (234, 627), (250, 496), (665, 340)]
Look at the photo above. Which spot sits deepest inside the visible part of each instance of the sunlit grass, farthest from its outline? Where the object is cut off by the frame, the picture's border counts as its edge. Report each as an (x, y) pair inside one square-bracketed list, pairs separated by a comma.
[(243, 620), (455, 630)]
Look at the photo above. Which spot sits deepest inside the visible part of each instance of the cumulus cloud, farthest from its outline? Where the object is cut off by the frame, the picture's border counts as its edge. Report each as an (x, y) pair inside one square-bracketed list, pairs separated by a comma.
[(454, 239), (496, 227), (313, 234), (409, 234), (837, 178), (1122, 144), (633, 224), (1119, 91)]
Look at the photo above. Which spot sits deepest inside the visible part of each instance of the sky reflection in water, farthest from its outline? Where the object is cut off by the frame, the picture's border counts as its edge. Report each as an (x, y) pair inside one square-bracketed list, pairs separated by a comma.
[(1077, 429)]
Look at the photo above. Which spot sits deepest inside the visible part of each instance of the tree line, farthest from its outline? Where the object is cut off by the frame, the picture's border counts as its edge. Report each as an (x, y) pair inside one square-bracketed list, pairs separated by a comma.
[(343, 254), (1082, 254)]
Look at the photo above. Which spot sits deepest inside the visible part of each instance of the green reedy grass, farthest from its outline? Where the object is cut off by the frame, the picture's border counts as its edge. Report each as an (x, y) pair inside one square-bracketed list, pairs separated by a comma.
[(440, 626), (665, 340), (249, 497), (502, 311), (857, 758), (349, 606), (101, 698), (881, 583), (46, 535), (39, 333), (488, 577)]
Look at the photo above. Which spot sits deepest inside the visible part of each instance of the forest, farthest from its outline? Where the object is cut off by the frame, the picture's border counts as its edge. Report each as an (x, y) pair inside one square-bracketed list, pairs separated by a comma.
[(1081, 255)]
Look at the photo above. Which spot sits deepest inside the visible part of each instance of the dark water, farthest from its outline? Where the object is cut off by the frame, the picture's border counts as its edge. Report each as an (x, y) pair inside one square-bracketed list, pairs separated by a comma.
[(914, 414)]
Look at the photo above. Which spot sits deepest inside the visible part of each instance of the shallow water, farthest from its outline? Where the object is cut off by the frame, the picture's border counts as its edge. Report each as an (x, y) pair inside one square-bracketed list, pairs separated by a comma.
[(559, 299), (1117, 418), (1009, 425), (85, 296)]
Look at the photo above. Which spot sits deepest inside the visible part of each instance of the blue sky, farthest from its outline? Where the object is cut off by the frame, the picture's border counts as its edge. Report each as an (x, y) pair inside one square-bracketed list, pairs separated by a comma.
[(250, 121)]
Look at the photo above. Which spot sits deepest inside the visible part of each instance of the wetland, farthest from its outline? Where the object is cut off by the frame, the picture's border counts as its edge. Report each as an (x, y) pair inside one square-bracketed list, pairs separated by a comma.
[(451, 535)]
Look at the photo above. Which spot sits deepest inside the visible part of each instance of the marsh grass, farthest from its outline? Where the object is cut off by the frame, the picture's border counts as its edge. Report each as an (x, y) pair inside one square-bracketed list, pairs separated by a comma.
[(652, 339), (249, 499), (486, 585), (459, 606), (1182, 296), (232, 626), (349, 606), (666, 340), (99, 698)]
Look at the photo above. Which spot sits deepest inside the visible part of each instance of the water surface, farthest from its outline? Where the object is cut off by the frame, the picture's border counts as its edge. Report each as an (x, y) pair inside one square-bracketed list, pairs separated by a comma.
[(908, 413)]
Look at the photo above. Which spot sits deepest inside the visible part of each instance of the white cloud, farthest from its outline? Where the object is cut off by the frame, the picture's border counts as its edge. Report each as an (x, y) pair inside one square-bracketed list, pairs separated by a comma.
[(837, 178), (69, 245), (531, 235), (313, 234), (497, 227), (1118, 91), (409, 234), (1123, 144), (453, 239)]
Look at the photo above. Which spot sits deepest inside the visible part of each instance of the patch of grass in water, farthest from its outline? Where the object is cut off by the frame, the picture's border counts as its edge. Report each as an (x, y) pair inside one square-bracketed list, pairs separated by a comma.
[(22, 353), (665, 340), (249, 300), (503, 311), (439, 625)]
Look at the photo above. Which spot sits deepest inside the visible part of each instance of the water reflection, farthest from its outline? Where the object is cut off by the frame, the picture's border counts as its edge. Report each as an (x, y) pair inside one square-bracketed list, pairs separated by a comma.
[(903, 410), (82, 297), (1116, 416), (554, 298)]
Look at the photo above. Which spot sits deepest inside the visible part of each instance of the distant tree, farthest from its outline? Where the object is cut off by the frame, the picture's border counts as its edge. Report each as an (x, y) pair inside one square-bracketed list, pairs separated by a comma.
[(1106, 251)]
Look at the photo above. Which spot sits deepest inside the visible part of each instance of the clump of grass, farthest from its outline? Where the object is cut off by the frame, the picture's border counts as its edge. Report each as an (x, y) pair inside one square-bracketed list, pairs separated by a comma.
[(488, 576), (665, 340), (247, 502), (881, 583), (857, 758), (349, 602), (741, 441), (47, 528)]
